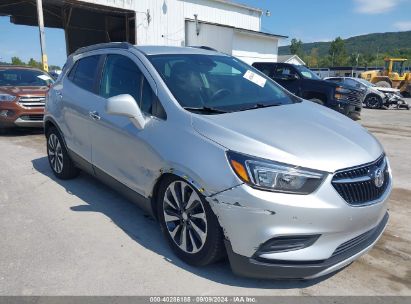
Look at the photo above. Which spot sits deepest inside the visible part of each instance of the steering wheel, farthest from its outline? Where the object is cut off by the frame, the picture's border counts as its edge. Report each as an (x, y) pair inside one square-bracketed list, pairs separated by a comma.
[(220, 93)]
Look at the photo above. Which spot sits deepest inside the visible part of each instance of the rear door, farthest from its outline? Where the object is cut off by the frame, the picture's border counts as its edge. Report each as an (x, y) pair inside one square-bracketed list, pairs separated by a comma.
[(79, 97)]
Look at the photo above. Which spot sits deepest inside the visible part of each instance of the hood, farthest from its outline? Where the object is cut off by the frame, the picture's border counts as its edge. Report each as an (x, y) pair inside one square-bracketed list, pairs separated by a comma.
[(25, 91), (386, 90), (302, 134)]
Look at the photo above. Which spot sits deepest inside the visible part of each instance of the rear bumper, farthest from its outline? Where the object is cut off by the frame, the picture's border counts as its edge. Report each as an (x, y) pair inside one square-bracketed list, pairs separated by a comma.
[(255, 267)]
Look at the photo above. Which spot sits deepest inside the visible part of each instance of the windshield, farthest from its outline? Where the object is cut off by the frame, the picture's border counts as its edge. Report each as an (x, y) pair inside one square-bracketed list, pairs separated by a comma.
[(24, 77), (307, 73), (217, 82), (365, 82)]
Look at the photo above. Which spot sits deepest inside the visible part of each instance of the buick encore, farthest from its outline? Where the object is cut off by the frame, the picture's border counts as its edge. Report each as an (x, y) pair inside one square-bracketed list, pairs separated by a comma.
[(230, 163)]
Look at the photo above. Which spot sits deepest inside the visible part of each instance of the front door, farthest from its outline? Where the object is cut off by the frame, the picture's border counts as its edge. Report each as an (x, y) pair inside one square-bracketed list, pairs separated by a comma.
[(119, 148)]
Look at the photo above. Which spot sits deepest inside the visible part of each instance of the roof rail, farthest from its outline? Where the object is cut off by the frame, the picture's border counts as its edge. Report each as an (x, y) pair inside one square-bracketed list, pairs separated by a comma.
[(108, 45), (204, 47)]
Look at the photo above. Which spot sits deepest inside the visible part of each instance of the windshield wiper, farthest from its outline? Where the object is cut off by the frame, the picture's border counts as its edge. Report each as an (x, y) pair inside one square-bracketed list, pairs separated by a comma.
[(260, 106), (206, 109)]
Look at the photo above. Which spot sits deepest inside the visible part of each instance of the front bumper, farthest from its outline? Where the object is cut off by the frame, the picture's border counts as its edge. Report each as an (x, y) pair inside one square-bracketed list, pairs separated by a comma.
[(277, 269), (251, 217), (16, 115)]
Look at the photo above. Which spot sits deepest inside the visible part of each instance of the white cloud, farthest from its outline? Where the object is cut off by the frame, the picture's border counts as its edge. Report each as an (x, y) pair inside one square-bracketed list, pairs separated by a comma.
[(375, 6), (403, 25)]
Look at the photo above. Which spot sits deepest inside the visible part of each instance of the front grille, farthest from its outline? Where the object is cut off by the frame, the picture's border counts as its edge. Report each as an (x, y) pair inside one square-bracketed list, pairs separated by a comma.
[(363, 240), (354, 98), (32, 101), (363, 184), (32, 117)]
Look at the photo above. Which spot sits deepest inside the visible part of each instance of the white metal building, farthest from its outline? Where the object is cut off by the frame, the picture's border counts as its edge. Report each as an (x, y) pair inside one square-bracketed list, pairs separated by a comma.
[(221, 24), (224, 25)]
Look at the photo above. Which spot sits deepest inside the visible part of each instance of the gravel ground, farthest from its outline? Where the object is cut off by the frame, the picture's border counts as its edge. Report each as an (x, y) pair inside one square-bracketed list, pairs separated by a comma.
[(79, 237)]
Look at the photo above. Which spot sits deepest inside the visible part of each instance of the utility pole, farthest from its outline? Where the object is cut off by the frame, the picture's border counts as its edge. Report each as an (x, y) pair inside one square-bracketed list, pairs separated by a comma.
[(42, 35)]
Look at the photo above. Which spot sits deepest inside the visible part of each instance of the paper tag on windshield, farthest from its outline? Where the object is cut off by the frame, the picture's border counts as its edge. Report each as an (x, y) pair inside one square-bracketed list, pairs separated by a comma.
[(44, 77), (255, 78)]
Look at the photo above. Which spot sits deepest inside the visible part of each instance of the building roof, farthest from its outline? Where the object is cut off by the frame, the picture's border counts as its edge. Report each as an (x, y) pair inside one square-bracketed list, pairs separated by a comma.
[(285, 58), (229, 2), (239, 29)]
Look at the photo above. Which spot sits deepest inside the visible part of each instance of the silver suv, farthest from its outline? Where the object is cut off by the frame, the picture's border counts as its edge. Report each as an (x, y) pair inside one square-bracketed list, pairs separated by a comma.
[(229, 162)]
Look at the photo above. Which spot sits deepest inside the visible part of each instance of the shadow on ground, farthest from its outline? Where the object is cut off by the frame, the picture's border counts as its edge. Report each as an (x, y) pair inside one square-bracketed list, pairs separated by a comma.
[(20, 132), (145, 230)]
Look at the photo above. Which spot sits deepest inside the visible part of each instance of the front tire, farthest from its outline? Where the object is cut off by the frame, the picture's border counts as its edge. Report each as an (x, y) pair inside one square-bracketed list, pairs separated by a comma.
[(188, 223), (59, 160)]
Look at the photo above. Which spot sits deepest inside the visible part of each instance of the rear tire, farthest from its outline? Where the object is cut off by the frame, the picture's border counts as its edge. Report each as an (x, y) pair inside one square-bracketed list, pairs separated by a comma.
[(188, 223), (383, 84), (60, 162), (373, 102)]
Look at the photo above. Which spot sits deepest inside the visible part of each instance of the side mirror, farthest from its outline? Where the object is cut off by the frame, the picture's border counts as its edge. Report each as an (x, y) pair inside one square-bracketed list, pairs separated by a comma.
[(126, 105)]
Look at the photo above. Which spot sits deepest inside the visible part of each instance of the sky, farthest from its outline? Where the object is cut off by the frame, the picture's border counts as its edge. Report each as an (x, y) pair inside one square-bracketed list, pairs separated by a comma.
[(308, 20)]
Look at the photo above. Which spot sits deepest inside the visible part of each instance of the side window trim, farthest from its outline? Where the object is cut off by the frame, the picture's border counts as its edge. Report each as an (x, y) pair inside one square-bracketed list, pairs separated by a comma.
[(100, 69)]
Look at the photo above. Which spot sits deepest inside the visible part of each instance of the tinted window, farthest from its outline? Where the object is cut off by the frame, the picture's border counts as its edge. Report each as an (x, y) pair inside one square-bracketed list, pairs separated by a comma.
[(285, 72), (24, 77), (265, 68), (352, 82), (85, 72), (121, 76), (335, 79)]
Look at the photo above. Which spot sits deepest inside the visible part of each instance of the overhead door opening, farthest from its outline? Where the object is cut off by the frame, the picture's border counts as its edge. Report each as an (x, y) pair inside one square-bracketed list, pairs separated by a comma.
[(83, 23)]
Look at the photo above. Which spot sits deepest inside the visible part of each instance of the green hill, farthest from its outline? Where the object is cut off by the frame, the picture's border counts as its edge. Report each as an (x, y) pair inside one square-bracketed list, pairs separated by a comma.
[(394, 44)]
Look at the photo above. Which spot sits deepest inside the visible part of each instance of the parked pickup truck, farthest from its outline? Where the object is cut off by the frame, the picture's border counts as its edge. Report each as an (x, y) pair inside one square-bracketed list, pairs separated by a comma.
[(304, 83)]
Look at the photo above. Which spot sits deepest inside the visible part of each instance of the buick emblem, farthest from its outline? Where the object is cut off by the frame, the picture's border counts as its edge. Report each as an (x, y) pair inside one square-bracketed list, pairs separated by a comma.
[(378, 178)]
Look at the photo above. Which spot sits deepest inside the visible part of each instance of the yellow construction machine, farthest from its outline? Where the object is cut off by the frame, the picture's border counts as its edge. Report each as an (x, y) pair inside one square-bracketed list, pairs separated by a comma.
[(393, 76)]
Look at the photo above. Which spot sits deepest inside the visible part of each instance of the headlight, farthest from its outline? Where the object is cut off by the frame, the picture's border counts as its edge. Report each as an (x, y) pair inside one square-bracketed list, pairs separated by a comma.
[(342, 90), (7, 97), (272, 176)]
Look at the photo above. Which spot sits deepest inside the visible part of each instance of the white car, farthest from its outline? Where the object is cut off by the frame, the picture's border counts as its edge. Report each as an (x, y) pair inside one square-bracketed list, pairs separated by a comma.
[(375, 97)]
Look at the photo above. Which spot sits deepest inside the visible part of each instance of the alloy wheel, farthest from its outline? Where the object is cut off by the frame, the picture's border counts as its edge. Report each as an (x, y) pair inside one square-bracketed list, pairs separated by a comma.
[(185, 217), (373, 102), (55, 153)]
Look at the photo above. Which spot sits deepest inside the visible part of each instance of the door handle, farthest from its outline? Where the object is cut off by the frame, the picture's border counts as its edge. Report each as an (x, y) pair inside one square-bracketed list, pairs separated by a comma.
[(94, 115)]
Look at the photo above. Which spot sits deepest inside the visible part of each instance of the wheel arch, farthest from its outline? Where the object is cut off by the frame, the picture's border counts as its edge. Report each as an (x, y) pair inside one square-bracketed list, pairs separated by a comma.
[(164, 175), (49, 123)]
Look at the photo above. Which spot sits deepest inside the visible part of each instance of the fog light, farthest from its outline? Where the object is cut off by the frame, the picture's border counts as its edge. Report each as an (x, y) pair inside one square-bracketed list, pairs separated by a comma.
[(287, 243), (5, 113)]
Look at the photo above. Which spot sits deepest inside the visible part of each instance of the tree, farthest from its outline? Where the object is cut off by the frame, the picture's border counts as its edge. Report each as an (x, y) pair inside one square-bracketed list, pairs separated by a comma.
[(296, 47), (35, 64), (16, 61), (313, 58), (337, 52)]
